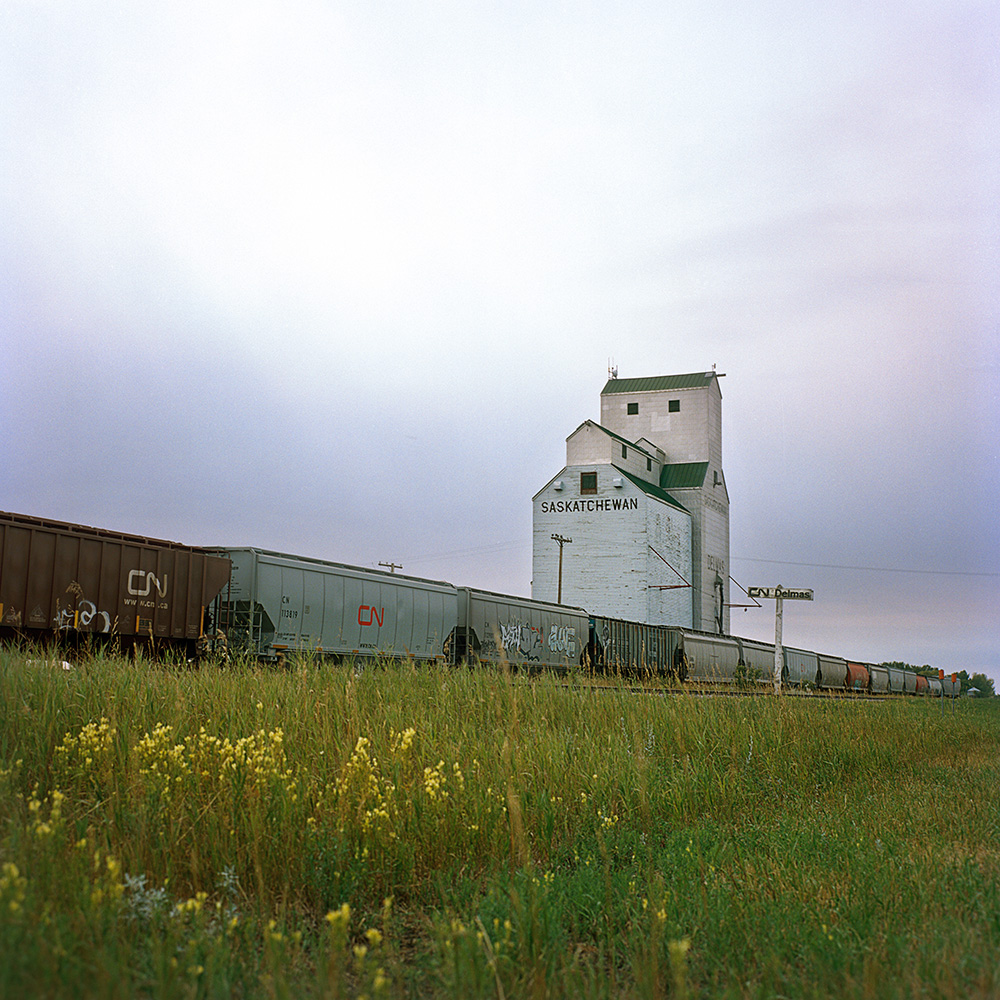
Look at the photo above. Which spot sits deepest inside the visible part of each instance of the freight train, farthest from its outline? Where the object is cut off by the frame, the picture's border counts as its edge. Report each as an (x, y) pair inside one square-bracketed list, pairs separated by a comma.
[(72, 581)]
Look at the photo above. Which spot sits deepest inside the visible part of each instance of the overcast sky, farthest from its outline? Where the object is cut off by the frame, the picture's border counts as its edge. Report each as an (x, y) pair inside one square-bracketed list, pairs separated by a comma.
[(339, 278)]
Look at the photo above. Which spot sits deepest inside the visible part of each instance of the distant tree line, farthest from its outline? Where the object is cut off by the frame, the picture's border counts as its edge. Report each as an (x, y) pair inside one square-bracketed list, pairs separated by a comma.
[(981, 682)]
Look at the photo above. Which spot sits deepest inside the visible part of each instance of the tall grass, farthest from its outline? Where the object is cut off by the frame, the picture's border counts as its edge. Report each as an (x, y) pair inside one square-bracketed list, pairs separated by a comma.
[(410, 831)]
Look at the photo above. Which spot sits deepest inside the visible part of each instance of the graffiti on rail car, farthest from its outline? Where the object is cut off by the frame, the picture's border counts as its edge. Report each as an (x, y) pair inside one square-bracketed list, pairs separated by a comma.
[(562, 639), (82, 616), (521, 639)]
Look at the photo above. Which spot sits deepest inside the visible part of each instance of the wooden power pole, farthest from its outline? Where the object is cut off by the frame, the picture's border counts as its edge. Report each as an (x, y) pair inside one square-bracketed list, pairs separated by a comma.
[(561, 541)]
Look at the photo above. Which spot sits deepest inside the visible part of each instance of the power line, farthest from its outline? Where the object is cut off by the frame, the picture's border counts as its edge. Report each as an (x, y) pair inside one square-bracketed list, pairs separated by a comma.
[(865, 569), (493, 549), (496, 547)]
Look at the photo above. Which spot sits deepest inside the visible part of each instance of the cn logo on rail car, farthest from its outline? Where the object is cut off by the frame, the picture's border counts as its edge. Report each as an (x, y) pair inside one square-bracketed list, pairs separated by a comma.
[(372, 616), (135, 580)]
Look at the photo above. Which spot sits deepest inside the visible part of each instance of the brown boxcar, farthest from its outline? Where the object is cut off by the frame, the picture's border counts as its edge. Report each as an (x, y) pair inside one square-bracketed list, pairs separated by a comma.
[(69, 578)]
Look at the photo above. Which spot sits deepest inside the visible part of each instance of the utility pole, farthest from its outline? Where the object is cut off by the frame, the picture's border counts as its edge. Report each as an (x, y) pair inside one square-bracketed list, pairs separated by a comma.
[(391, 566), (561, 541), (779, 655)]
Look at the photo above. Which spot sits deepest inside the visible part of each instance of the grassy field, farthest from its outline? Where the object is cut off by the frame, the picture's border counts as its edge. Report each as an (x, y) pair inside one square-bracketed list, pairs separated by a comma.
[(414, 831)]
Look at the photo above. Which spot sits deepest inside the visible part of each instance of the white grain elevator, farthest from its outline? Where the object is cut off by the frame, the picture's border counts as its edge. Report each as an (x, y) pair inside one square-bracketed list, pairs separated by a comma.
[(643, 498)]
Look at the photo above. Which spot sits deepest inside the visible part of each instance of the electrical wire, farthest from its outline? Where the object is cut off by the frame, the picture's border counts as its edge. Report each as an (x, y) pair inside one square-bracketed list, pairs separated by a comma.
[(865, 569), (495, 549)]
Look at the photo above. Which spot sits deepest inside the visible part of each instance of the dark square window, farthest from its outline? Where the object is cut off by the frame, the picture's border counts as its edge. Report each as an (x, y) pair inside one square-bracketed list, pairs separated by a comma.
[(624, 452), (674, 406), (588, 482), (633, 409), (649, 465)]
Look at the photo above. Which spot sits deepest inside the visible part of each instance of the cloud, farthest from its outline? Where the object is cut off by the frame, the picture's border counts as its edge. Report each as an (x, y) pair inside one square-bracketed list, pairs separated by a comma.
[(341, 280)]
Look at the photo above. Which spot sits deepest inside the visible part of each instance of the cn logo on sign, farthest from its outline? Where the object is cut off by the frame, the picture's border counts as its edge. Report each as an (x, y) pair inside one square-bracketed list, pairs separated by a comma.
[(369, 616)]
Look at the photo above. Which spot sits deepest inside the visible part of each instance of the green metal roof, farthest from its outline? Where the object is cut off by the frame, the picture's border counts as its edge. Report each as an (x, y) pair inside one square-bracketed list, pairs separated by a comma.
[(650, 489), (619, 438), (696, 380), (683, 475)]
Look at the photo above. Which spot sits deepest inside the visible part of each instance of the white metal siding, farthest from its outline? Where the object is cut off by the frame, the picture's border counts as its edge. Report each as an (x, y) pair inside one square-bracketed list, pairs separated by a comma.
[(692, 434), (609, 568)]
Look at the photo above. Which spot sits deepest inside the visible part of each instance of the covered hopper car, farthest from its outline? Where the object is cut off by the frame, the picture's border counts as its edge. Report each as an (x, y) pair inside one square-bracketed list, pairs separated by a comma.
[(497, 629), (69, 581), (858, 677), (878, 679), (801, 667), (274, 604)]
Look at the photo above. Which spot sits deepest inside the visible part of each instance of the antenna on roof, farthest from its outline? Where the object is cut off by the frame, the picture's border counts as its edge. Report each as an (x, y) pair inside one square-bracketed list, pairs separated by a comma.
[(612, 368)]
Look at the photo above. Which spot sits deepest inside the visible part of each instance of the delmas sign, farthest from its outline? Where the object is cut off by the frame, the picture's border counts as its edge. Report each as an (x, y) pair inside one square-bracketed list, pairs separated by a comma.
[(779, 595), (775, 592)]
